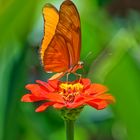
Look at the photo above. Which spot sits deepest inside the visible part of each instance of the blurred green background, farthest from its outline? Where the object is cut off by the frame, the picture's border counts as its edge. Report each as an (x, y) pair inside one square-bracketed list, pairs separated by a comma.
[(110, 34)]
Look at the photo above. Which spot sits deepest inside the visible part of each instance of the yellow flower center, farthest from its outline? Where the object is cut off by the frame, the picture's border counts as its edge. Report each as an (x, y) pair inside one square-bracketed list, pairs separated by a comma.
[(69, 91)]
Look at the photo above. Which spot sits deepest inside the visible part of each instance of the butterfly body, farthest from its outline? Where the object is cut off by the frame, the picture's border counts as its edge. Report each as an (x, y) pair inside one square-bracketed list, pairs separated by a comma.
[(61, 45), (74, 68)]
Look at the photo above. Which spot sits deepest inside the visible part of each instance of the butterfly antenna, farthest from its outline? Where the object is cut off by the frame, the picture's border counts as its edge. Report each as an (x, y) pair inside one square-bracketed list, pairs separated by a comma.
[(83, 71), (87, 56), (84, 60)]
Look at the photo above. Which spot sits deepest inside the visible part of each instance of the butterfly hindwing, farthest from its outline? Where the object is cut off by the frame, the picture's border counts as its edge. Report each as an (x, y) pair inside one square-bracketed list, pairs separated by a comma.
[(56, 58)]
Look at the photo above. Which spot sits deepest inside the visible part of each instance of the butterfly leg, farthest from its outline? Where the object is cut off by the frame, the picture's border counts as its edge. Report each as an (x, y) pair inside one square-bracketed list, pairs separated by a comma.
[(78, 76), (67, 76)]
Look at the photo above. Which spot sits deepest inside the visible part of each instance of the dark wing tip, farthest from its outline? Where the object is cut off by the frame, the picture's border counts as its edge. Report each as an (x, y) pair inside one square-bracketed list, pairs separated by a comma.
[(48, 5), (68, 2)]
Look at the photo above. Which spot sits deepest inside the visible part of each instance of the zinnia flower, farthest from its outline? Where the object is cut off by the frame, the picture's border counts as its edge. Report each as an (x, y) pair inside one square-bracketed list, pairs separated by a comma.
[(68, 95)]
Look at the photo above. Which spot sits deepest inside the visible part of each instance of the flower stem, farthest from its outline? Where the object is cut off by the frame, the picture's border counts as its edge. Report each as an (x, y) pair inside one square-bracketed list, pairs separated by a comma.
[(69, 129)]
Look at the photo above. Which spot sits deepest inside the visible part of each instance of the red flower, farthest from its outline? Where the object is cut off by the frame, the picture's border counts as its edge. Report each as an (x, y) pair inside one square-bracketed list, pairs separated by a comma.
[(68, 94)]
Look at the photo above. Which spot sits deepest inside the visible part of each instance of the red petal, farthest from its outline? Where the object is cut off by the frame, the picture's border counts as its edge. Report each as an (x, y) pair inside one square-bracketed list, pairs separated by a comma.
[(79, 101), (100, 104), (96, 89), (44, 106), (46, 85), (54, 83), (31, 98), (79, 98), (37, 90), (86, 82), (54, 97), (109, 98), (58, 105), (75, 105)]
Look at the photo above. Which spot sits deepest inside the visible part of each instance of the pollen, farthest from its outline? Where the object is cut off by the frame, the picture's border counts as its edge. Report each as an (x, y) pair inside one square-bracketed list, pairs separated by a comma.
[(75, 87), (69, 91)]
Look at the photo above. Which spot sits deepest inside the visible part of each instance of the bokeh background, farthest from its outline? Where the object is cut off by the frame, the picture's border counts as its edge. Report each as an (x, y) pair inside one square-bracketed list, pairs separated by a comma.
[(110, 51)]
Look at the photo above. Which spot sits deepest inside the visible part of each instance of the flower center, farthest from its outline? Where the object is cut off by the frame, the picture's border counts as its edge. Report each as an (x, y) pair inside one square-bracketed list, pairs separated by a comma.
[(69, 91)]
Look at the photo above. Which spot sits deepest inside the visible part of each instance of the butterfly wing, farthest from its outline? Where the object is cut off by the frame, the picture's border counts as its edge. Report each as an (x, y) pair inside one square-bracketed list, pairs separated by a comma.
[(56, 57), (69, 28), (51, 18), (63, 51)]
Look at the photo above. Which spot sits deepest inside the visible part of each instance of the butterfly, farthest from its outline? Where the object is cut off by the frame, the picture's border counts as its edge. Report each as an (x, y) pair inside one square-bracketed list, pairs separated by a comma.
[(61, 44)]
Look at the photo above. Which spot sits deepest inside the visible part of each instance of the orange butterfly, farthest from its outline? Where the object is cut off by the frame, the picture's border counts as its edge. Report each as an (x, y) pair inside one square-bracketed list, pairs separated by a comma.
[(60, 49)]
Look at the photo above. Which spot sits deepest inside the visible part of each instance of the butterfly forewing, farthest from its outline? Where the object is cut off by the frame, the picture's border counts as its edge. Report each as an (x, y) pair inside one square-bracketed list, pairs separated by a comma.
[(51, 18), (69, 28)]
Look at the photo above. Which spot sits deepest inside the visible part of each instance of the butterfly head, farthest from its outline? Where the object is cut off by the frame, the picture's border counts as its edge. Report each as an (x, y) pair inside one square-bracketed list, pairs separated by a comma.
[(80, 64)]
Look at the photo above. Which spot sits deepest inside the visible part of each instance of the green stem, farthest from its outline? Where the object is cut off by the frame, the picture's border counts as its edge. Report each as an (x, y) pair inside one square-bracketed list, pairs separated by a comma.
[(69, 129)]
